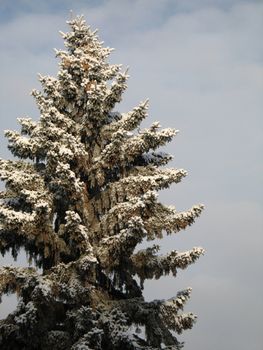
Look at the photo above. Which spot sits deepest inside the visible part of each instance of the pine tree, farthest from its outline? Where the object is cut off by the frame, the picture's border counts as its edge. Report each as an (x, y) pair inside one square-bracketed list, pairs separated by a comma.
[(79, 200)]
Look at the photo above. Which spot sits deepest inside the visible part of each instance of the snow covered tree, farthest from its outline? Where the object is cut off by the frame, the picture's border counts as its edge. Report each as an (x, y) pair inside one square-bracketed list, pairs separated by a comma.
[(80, 198)]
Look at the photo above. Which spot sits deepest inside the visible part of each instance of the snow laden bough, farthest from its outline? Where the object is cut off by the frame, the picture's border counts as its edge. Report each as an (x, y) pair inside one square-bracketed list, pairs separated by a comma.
[(79, 199)]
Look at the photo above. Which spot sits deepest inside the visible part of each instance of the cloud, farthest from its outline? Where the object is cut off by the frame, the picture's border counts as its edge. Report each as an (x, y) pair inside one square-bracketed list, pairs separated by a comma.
[(200, 63)]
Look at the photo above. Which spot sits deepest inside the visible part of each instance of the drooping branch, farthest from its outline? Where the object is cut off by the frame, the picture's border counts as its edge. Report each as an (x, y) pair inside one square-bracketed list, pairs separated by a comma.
[(12, 279), (147, 264), (168, 219)]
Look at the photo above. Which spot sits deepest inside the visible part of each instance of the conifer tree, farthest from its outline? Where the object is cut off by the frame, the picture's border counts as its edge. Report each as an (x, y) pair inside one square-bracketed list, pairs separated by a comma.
[(80, 198)]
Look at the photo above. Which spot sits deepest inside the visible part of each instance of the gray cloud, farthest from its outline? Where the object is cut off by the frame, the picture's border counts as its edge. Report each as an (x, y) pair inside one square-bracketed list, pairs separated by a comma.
[(200, 63)]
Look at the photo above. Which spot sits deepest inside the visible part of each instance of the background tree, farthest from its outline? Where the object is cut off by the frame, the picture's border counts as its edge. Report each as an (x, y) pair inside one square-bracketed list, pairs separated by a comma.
[(80, 199)]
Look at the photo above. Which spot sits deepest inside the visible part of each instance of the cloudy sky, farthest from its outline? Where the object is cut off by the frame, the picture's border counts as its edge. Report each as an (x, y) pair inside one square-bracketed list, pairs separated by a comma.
[(200, 62)]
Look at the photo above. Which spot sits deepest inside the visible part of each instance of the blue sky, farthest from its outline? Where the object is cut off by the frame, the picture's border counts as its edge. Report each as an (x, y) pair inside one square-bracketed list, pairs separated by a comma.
[(201, 65)]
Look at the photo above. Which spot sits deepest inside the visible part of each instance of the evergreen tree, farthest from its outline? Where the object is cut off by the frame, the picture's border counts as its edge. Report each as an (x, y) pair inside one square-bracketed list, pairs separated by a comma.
[(79, 200)]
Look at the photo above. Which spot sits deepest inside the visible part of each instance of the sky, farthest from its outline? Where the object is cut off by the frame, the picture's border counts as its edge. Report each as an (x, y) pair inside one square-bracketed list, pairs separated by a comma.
[(200, 62)]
